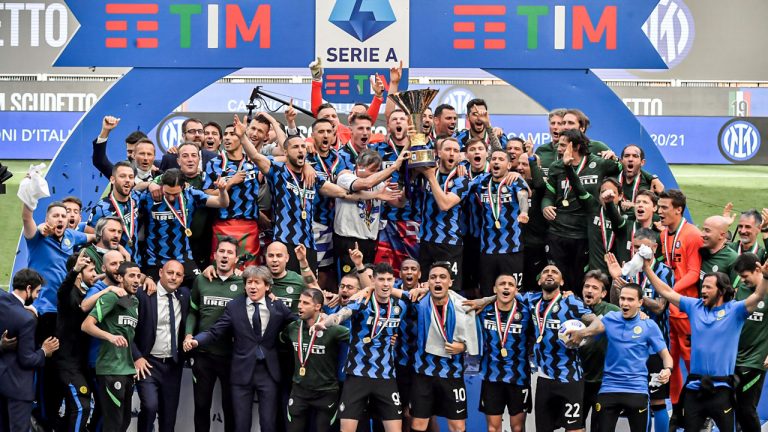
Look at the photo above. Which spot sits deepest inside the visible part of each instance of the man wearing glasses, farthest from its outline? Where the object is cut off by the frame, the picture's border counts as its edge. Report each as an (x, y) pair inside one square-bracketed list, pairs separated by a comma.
[(193, 131)]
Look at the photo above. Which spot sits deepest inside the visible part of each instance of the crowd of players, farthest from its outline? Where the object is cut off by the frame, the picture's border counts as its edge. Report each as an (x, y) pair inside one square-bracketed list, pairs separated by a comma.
[(323, 278)]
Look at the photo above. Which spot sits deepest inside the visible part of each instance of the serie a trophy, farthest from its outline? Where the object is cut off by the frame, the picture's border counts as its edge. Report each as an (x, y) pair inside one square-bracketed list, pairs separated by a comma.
[(414, 103)]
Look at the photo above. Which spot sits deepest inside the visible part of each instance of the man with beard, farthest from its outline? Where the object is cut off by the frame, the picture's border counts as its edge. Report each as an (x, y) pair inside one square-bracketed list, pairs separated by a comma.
[(213, 362), (212, 137), (240, 219), (121, 202), (506, 332), (109, 231), (445, 120), (480, 127), (560, 385), (535, 231), (476, 164), (294, 205), (72, 357), (624, 388), (567, 239), (315, 385), (114, 321), (442, 229), (99, 157), (503, 208), (643, 210), (360, 126), (748, 230), (574, 119), (547, 152), (370, 365), (594, 290), (74, 213), (716, 256), (709, 389), (634, 178)]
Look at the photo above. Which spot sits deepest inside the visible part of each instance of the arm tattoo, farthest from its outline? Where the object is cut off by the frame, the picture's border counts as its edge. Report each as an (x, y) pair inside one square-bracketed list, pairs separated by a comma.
[(339, 317)]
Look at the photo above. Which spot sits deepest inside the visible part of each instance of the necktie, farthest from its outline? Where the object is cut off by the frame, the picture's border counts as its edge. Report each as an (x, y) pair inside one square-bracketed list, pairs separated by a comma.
[(174, 335), (256, 322)]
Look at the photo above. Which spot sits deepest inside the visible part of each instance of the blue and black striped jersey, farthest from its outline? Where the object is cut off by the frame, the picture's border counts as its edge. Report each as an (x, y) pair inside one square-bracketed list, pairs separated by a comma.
[(463, 136), (243, 197), (330, 166), (500, 232), (444, 227), (410, 212), (667, 276), (514, 367), (105, 208), (293, 205)]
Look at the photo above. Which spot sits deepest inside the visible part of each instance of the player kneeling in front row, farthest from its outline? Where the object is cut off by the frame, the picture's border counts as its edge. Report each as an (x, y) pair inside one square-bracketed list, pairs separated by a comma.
[(625, 377)]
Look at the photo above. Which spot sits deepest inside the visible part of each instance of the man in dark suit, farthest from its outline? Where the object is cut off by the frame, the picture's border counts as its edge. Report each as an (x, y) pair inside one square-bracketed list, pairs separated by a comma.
[(256, 322), (157, 350), (17, 367)]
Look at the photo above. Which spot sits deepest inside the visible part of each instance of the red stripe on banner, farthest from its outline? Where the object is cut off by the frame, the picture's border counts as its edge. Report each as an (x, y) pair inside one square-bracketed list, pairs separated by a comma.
[(495, 44), (146, 42), (148, 26), (329, 91), (464, 27), (116, 42), (344, 92), (116, 25), (337, 77), (479, 10), (344, 84), (463, 44), (121, 8), (330, 84), (495, 27)]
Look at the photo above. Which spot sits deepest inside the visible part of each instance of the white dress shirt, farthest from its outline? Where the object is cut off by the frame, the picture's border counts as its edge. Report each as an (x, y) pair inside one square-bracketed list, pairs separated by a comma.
[(263, 312), (162, 346)]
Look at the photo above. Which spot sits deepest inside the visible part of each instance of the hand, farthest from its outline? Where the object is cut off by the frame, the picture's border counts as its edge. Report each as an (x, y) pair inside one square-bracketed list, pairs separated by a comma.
[(264, 221), (150, 287), (764, 214), (320, 324), (657, 186), (461, 171), (522, 218), (45, 229), (239, 126), (124, 252), (607, 196), (301, 255), (643, 315), (290, 115), (626, 205), (388, 194), (118, 341), (396, 73), (142, 369), (607, 154), (499, 132), (377, 85), (356, 256), (8, 344), (566, 293), (190, 344), (118, 291), (664, 376), (363, 294), (528, 147), (156, 191), (428, 172), (659, 226), (236, 178), (331, 300), (403, 157), (476, 305), (311, 147), (510, 178), (310, 176), (454, 348), (173, 150), (82, 261), (418, 294), (568, 155), (393, 340), (728, 213), (614, 268), (765, 363), (210, 273), (575, 337), (549, 212), (50, 345), (107, 124), (316, 68)]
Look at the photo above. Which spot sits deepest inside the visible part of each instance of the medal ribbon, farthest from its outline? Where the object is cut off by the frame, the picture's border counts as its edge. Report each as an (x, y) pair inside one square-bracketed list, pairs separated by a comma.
[(495, 212), (753, 249), (129, 231), (394, 146), (300, 349), (225, 161), (440, 322), (503, 335), (635, 187), (580, 168), (377, 317), (541, 323), (669, 256), (632, 240), (329, 173), (181, 216), (607, 241), (451, 175), (485, 170), (351, 149), (300, 186)]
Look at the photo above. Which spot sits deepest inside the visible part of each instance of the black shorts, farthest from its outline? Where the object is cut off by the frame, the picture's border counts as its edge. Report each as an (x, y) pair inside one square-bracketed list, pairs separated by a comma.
[(301, 404), (561, 404), (430, 253), (496, 396), (492, 265), (443, 397), (404, 380), (634, 406), (380, 394), (656, 391)]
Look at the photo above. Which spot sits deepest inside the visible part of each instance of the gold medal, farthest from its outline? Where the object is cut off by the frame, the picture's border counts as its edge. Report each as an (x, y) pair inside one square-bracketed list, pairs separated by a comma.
[(566, 203), (498, 225), (188, 232), (366, 340), (303, 214), (302, 371), (540, 338), (503, 352), (130, 243)]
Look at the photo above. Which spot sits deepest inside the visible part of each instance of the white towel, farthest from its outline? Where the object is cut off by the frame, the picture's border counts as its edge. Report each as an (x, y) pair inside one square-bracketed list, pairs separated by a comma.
[(465, 330), (33, 187)]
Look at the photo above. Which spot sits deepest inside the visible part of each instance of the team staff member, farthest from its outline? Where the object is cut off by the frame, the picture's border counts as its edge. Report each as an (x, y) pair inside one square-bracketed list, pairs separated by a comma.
[(644, 210), (630, 340), (114, 320), (680, 244), (315, 385), (547, 152), (506, 333), (715, 316), (716, 256), (255, 322), (748, 229), (213, 362)]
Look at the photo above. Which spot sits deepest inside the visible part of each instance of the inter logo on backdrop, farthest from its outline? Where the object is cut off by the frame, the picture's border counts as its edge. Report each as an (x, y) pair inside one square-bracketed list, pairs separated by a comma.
[(169, 133), (740, 140), (671, 30)]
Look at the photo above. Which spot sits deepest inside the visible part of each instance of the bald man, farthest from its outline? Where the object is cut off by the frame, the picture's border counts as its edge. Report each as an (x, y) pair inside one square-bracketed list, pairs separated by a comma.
[(716, 256), (287, 284), (158, 347)]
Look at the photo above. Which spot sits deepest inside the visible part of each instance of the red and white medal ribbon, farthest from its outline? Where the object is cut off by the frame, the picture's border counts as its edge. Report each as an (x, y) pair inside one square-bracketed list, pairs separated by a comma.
[(541, 323)]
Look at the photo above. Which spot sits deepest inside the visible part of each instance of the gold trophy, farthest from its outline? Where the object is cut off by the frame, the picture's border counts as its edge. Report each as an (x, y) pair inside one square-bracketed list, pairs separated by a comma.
[(414, 103)]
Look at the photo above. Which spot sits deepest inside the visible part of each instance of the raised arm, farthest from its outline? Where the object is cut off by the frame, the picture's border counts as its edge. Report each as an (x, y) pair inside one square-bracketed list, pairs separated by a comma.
[(371, 181), (594, 328), (30, 227), (445, 200), (395, 74), (222, 199), (661, 287), (262, 162)]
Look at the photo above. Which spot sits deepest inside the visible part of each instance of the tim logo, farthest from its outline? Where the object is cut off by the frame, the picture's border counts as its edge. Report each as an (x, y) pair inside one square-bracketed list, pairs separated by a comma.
[(170, 133), (458, 97), (671, 30), (740, 141)]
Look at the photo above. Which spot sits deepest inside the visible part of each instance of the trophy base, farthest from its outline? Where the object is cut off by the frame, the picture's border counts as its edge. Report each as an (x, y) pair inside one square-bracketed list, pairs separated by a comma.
[(421, 157)]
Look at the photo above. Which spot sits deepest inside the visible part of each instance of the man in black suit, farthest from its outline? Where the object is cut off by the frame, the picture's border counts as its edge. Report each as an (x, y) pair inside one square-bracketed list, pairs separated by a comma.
[(157, 351), (193, 132), (256, 322), (17, 367)]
